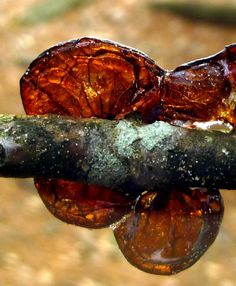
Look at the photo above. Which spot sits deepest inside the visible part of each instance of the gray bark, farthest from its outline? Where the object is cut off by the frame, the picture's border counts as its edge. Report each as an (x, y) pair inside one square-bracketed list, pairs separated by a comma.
[(121, 154)]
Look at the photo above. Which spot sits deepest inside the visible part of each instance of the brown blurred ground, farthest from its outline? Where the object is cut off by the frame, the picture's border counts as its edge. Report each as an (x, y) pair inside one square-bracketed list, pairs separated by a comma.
[(36, 248)]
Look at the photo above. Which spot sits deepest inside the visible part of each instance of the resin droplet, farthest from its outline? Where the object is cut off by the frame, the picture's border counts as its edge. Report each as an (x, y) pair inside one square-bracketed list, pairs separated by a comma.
[(168, 232), (81, 204), (202, 90), (88, 78)]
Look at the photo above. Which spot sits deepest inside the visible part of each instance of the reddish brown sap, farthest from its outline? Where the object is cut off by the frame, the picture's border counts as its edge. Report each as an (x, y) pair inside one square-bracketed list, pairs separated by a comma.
[(168, 230), (92, 77), (81, 204), (88, 78), (202, 90), (168, 233)]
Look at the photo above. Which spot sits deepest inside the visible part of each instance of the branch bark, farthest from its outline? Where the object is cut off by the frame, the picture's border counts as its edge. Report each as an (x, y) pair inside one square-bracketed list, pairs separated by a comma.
[(120, 154)]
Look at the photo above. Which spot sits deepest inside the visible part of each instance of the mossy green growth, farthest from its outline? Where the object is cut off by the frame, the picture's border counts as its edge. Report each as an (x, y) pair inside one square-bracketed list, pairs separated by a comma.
[(5, 118)]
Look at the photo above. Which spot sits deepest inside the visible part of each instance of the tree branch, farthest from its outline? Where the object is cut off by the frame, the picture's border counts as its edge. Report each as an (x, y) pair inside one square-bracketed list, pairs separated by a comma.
[(119, 154)]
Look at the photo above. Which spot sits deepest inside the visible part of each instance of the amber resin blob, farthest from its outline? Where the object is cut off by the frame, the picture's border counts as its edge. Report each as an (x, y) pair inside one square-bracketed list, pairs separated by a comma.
[(202, 90), (167, 233), (91, 77), (88, 78), (81, 204), (160, 231)]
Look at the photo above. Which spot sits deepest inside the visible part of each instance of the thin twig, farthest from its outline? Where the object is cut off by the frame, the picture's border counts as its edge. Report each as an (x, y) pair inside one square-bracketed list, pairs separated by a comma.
[(120, 154), (224, 14)]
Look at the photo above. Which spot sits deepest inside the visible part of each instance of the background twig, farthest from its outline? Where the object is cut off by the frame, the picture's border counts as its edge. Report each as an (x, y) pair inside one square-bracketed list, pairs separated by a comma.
[(224, 14)]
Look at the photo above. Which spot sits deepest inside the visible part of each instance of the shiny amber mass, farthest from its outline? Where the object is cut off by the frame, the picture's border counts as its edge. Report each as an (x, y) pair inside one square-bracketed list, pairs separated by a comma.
[(164, 231), (167, 233), (91, 77), (81, 204)]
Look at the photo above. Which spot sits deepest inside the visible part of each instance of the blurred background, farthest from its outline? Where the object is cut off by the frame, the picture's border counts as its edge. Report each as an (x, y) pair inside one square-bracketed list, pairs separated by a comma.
[(36, 248)]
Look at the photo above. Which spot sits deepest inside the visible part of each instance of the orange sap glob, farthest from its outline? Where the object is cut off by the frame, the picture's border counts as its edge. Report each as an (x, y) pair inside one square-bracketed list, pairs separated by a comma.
[(159, 231)]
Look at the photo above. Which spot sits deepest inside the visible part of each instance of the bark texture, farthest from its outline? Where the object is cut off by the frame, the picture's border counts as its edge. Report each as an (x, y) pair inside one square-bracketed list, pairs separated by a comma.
[(116, 154)]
